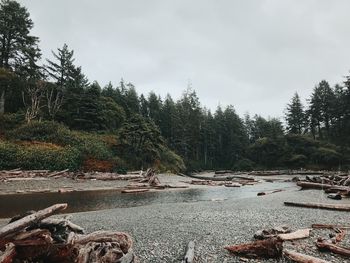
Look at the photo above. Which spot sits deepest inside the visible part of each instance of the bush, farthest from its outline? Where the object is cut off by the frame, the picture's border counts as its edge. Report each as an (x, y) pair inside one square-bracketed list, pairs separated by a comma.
[(10, 121), (170, 161), (90, 145), (8, 155), (38, 156)]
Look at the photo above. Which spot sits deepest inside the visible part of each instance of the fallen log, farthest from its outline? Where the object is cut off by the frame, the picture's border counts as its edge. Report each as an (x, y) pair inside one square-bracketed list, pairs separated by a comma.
[(268, 248), (299, 234), (233, 185), (271, 192), (58, 173), (30, 219), (309, 185), (301, 258), (324, 245), (189, 256), (320, 206)]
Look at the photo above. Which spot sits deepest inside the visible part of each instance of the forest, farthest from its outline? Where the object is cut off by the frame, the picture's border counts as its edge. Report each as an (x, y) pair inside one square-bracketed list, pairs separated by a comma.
[(53, 117)]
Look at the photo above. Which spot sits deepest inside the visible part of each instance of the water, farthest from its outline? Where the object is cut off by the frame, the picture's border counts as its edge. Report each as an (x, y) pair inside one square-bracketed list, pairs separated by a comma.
[(11, 205)]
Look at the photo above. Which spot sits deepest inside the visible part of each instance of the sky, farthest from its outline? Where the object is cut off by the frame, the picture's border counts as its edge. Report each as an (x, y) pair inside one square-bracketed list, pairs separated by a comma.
[(252, 54)]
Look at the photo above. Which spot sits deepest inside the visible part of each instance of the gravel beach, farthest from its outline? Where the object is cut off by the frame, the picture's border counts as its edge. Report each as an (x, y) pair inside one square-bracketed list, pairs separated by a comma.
[(162, 230)]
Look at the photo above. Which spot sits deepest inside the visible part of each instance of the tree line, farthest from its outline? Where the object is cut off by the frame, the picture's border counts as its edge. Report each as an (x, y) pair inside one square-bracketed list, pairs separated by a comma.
[(314, 135)]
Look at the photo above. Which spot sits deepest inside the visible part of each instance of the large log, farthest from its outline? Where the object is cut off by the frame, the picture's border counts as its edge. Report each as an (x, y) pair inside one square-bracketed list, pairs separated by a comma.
[(309, 185), (30, 219), (268, 248), (320, 206), (301, 258), (325, 245)]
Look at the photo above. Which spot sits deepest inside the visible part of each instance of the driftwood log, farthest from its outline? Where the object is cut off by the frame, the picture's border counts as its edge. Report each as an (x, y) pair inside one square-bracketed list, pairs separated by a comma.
[(268, 248), (325, 245), (36, 238), (28, 220), (302, 258), (299, 234)]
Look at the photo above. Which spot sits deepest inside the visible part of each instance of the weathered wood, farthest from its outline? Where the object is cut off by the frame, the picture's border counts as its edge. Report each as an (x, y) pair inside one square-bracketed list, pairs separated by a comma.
[(299, 234), (302, 258), (268, 248), (8, 255), (123, 239), (320, 206), (189, 256), (340, 236), (58, 173), (325, 245), (272, 232), (270, 192), (30, 219), (309, 185)]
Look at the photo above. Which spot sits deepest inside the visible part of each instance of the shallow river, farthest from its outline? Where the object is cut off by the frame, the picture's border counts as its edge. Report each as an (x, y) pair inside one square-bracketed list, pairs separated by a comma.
[(14, 204)]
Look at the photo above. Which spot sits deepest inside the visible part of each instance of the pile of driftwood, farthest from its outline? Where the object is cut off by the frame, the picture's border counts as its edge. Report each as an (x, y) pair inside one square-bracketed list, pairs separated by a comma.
[(22, 175), (336, 185), (34, 237), (148, 181), (221, 179), (270, 244)]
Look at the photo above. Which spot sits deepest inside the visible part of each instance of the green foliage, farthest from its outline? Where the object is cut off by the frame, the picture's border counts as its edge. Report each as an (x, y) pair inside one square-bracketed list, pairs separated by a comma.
[(89, 145), (8, 155), (295, 116), (244, 165), (267, 152), (10, 121), (38, 156)]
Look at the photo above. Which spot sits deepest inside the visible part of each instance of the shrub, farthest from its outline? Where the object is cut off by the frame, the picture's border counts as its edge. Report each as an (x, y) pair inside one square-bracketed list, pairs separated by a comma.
[(8, 155), (10, 121), (90, 145), (38, 156)]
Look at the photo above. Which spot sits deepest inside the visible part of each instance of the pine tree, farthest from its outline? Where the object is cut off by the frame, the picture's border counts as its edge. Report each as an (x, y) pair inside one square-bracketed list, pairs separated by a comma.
[(19, 51), (61, 72), (295, 116)]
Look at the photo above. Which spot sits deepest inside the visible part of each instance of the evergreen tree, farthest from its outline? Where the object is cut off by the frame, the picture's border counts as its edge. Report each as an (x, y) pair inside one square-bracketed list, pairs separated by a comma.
[(154, 107), (19, 51), (61, 72), (295, 116)]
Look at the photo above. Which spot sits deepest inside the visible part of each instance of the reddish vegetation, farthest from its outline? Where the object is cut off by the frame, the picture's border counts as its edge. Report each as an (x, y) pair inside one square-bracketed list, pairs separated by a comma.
[(98, 165)]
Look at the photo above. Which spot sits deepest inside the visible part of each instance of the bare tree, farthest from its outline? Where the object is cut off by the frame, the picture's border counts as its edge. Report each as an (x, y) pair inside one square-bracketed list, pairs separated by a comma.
[(54, 98), (32, 96)]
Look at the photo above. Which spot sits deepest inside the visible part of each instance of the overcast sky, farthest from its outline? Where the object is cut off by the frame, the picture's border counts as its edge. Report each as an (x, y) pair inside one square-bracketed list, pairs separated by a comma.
[(253, 54)]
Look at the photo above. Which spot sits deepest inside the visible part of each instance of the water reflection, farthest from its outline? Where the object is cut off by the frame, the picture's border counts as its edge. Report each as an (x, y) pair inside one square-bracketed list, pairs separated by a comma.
[(11, 205)]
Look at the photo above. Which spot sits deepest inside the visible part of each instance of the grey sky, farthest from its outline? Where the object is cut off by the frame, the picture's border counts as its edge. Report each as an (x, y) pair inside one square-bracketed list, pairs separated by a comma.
[(253, 54)]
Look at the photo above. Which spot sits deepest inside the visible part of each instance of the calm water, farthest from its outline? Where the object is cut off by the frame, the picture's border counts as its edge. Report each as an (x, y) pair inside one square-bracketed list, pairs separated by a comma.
[(11, 205)]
